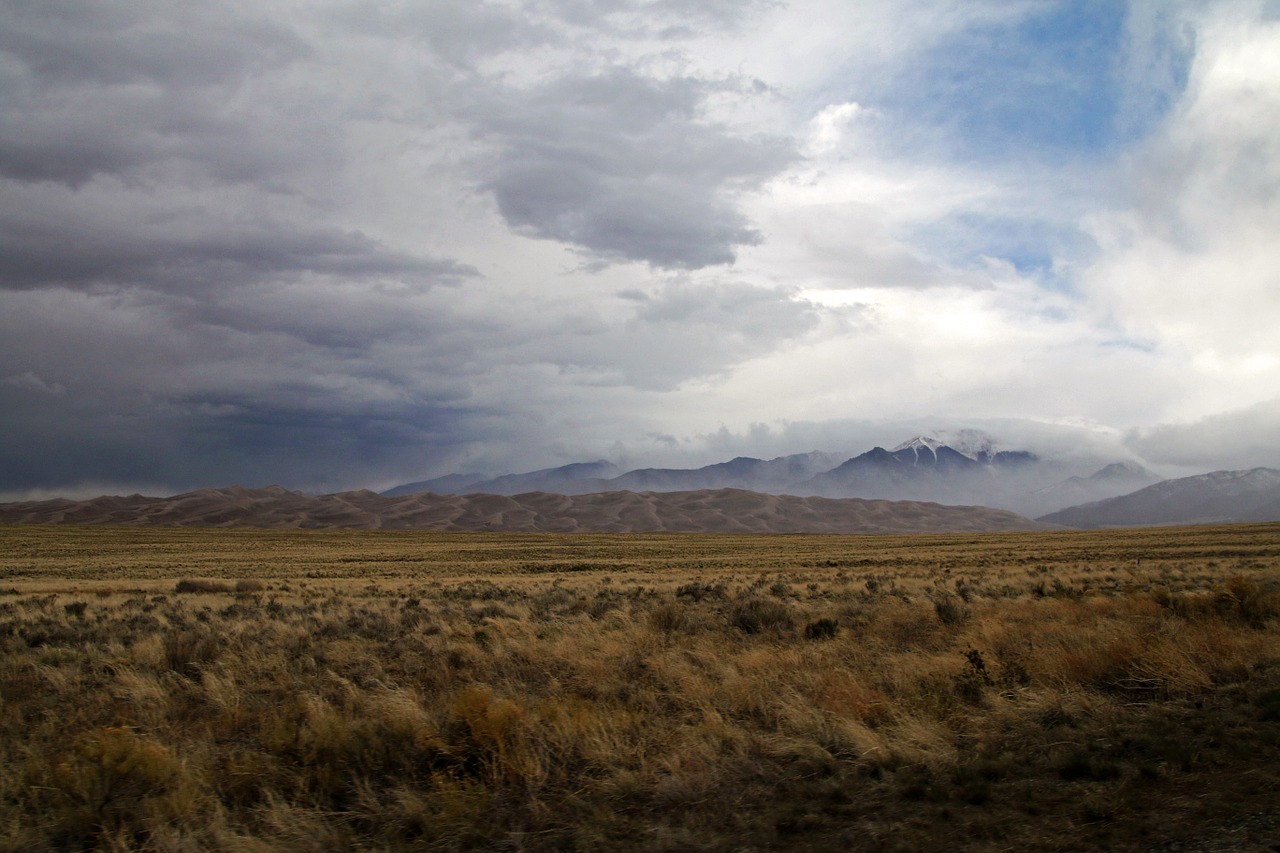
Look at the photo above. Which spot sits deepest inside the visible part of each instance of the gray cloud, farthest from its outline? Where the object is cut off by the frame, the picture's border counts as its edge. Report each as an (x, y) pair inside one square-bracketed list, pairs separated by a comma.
[(1245, 438), (193, 251), (683, 331), (625, 168), (193, 441), (462, 33), (116, 42), (96, 88), (171, 150), (31, 382), (667, 19), (318, 392), (456, 33)]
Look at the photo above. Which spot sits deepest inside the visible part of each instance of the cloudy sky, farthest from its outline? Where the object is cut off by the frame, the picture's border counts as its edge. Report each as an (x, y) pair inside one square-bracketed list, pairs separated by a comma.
[(348, 243)]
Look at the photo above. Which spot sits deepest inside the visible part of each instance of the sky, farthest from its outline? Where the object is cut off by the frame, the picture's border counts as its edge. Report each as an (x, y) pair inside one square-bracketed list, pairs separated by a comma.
[(343, 244)]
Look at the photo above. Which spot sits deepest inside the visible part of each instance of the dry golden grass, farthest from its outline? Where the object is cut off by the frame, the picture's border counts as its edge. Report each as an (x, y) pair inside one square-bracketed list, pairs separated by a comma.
[(180, 689)]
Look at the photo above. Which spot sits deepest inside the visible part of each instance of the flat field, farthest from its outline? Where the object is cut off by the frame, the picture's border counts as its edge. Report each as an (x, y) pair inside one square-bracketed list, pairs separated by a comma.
[(183, 689)]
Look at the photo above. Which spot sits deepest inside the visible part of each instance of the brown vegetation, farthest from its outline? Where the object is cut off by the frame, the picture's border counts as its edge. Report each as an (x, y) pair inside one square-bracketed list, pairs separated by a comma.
[(183, 689)]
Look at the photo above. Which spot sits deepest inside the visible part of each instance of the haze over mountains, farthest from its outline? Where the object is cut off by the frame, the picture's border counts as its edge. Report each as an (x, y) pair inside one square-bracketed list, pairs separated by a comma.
[(968, 469)]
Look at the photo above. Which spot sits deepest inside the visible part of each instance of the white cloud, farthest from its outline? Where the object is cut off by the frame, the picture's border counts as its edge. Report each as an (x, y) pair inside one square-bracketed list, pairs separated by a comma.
[(1192, 266)]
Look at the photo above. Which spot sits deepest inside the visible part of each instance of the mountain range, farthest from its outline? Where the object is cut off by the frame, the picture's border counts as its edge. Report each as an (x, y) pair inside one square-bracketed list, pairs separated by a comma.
[(922, 485), (966, 471), (1217, 497)]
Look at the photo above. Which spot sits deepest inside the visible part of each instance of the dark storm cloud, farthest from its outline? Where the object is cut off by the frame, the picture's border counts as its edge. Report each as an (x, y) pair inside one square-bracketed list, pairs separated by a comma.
[(626, 168), (192, 442), (326, 448), (115, 42), (317, 389), (60, 245), (108, 87), (138, 135)]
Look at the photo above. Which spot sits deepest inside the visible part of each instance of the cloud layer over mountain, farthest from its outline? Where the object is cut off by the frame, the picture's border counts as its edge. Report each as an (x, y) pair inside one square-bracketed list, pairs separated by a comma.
[(354, 243)]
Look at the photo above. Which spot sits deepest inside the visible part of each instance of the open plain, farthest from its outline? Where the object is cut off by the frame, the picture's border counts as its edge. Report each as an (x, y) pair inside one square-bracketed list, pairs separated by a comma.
[(181, 689)]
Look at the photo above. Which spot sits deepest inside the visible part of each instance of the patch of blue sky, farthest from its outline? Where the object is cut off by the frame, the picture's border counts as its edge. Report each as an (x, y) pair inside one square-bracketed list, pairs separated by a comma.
[(1043, 102), (1137, 344), (1054, 82), (1033, 246)]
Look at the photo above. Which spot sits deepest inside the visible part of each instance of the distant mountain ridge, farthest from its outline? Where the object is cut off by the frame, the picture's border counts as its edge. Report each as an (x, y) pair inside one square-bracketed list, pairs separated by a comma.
[(703, 511), (1216, 497), (967, 469), (742, 472), (1118, 478), (546, 480)]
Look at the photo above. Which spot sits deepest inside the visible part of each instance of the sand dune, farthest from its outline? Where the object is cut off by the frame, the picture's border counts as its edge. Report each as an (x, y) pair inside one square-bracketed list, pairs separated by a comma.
[(705, 511)]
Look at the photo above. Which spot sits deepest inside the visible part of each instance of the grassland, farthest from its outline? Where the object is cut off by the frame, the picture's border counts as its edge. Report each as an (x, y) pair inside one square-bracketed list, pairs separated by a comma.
[(179, 689)]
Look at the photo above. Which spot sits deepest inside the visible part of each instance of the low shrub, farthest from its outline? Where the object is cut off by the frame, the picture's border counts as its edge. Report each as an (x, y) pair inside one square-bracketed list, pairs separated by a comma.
[(190, 585), (697, 591), (822, 629), (757, 615), (950, 610), (188, 651), (668, 618)]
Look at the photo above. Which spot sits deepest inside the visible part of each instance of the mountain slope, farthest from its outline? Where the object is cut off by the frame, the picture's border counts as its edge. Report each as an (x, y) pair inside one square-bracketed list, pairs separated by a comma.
[(1220, 496), (548, 480), (1114, 480), (703, 511), (743, 472), (449, 484)]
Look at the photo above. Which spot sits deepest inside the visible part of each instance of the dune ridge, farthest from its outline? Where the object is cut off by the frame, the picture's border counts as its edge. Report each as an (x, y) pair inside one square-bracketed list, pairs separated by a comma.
[(701, 511)]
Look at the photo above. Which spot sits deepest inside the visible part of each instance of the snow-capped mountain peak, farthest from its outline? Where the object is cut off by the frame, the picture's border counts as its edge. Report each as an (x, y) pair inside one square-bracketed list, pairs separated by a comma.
[(975, 444), (918, 442)]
